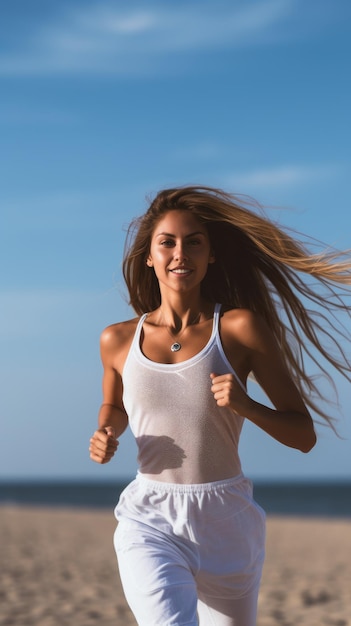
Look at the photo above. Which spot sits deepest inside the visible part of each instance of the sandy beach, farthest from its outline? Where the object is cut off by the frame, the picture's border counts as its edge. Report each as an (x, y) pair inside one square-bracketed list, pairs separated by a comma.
[(58, 568)]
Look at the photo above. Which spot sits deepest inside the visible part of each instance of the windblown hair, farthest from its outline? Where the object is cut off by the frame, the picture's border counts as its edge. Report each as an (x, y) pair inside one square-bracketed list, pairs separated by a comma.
[(259, 266)]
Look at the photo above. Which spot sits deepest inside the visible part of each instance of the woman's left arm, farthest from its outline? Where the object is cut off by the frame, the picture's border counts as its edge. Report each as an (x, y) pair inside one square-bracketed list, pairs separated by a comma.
[(289, 422)]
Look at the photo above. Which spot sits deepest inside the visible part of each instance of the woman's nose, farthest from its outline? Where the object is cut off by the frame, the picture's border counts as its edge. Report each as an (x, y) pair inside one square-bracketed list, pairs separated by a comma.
[(179, 252)]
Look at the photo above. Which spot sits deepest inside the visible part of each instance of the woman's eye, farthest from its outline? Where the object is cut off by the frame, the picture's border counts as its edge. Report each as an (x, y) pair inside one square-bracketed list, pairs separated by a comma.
[(168, 243)]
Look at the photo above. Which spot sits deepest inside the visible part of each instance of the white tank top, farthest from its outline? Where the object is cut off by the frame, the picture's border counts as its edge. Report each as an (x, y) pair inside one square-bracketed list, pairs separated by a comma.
[(181, 433)]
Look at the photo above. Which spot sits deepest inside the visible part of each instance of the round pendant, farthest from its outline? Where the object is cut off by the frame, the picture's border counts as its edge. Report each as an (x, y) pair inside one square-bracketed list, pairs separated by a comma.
[(175, 346)]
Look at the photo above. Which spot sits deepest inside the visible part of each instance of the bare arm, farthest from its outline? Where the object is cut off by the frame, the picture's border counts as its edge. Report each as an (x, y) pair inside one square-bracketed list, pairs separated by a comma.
[(289, 422), (112, 420)]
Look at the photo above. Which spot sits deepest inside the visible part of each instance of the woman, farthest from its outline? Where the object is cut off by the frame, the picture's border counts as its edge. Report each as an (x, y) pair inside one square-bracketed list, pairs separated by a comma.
[(218, 294)]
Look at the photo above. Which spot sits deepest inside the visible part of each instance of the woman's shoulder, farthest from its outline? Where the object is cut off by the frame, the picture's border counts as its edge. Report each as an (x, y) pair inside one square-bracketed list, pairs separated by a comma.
[(239, 316), (243, 324), (115, 342), (118, 333)]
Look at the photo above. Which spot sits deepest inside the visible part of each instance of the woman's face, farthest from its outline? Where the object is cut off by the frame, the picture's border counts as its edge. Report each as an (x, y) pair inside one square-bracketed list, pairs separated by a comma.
[(180, 251)]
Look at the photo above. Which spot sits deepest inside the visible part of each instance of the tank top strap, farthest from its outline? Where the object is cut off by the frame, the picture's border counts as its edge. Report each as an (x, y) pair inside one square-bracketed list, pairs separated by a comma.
[(218, 341), (136, 339), (216, 316)]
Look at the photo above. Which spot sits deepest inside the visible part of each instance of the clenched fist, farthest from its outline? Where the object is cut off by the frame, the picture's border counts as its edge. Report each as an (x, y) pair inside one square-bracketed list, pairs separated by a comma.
[(103, 445), (228, 392)]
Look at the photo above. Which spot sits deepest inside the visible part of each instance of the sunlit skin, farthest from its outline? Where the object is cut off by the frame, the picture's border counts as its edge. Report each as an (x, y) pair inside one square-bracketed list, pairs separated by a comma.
[(180, 253)]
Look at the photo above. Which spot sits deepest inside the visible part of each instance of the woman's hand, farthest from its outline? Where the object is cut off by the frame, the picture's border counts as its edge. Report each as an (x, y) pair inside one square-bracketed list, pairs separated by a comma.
[(228, 393), (103, 445)]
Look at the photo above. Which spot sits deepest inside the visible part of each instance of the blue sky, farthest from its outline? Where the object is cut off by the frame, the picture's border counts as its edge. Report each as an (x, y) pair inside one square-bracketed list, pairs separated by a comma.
[(104, 103)]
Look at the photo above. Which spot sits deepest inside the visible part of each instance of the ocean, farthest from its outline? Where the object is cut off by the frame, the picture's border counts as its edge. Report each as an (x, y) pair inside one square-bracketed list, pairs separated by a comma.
[(322, 499)]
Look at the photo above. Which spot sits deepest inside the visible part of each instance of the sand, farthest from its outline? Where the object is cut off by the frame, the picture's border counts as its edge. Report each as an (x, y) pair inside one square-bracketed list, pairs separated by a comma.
[(58, 568)]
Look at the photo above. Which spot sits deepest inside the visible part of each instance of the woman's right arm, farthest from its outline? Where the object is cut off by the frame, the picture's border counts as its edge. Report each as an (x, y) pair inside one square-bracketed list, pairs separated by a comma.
[(112, 420)]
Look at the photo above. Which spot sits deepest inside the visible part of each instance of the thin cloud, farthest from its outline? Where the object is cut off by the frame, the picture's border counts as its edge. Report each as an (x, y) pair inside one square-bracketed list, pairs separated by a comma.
[(38, 313), (282, 176), (103, 38), (71, 210), (202, 151), (21, 114)]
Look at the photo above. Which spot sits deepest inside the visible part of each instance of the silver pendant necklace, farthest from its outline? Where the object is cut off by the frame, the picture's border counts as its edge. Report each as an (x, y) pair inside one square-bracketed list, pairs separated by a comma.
[(176, 345)]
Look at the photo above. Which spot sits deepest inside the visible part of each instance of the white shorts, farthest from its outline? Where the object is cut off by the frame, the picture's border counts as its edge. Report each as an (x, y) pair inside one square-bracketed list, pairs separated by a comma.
[(190, 552)]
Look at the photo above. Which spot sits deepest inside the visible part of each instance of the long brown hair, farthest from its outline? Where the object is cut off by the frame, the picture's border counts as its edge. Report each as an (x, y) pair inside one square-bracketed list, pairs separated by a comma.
[(262, 267)]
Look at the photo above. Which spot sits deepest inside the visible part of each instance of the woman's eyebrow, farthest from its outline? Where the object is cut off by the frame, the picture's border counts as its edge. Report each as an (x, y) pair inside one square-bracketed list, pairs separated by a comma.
[(163, 234)]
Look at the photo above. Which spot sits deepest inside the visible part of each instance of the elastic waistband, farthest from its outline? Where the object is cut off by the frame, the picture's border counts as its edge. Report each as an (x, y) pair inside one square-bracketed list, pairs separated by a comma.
[(159, 486)]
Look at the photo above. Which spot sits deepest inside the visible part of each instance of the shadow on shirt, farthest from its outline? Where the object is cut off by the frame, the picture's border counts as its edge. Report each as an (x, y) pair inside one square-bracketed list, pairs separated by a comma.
[(158, 453)]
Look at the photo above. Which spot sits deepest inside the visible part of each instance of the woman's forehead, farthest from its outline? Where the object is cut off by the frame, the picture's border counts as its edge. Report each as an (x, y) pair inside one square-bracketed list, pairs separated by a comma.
[(178, 220)]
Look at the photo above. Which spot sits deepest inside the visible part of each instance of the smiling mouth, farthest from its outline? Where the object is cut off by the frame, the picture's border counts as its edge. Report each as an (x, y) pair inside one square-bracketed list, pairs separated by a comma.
[(180, 271)]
